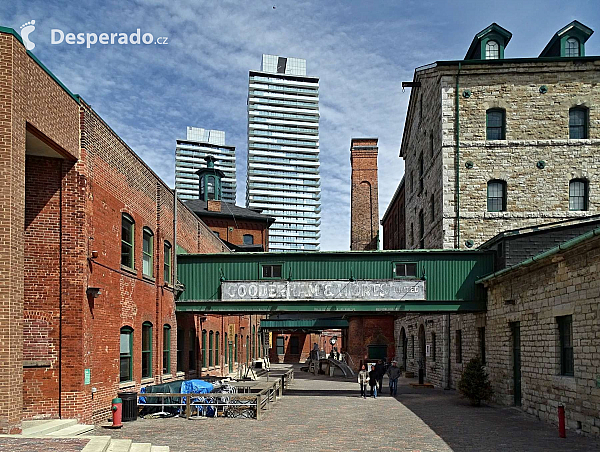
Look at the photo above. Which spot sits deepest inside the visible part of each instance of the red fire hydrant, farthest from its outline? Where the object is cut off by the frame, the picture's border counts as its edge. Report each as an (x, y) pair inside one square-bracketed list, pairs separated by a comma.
[(117, 412)]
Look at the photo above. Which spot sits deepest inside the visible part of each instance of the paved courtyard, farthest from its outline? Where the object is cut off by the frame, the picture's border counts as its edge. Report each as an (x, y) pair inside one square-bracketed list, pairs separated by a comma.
[(326, 414)]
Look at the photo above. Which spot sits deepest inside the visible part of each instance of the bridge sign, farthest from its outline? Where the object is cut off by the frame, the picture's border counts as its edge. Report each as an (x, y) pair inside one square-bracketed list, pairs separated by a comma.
[(324, 290)]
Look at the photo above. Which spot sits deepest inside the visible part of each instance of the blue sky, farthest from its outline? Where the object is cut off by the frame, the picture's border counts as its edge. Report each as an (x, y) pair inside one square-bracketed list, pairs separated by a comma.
[(361, 51)]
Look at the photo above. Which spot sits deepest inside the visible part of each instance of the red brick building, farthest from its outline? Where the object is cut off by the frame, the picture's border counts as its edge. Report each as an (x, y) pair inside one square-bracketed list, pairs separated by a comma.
[(87, 270), (394, 221), (240, 228)]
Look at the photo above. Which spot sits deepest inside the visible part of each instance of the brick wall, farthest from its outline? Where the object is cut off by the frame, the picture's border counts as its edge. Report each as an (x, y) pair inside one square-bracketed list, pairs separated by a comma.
[(369, 330), (29, 99), (233, 231), (394, 222)]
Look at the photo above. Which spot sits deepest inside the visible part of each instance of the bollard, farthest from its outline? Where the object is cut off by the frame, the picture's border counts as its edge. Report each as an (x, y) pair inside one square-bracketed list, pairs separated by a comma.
[(561, 422), (117, 412)]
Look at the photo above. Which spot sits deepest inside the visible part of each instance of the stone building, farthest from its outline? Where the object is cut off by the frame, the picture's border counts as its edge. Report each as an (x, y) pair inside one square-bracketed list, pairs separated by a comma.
[(88, 270), (495, 149)]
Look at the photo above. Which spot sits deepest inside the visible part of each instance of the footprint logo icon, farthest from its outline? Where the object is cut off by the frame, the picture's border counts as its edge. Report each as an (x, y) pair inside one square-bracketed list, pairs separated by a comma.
[(26, 29)]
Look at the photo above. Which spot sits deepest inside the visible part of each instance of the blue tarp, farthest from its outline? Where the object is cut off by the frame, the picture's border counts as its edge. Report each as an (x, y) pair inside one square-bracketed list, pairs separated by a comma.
[(196, 387)]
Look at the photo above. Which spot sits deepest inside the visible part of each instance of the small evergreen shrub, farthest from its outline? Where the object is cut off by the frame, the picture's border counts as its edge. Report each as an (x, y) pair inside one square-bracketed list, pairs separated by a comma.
[(474, 383)]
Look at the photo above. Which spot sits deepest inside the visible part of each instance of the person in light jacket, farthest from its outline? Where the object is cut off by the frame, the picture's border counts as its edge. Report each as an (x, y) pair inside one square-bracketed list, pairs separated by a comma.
[(393, 374), (363, 379)]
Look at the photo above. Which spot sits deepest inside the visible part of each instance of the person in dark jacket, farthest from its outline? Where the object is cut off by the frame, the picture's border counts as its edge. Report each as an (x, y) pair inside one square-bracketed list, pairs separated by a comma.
[(393, 374), (379, 372), (373, 381)]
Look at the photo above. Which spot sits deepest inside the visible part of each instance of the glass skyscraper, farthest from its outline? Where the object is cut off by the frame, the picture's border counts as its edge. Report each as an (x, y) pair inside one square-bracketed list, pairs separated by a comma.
[(189, 158), (283, 152)]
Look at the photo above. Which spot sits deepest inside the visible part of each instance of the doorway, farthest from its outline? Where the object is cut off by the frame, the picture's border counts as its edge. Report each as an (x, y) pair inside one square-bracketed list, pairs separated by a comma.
[(516, 351), (422, 354)]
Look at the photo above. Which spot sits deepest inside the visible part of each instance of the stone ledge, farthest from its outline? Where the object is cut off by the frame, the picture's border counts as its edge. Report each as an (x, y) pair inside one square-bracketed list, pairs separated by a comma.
[(36, 363)]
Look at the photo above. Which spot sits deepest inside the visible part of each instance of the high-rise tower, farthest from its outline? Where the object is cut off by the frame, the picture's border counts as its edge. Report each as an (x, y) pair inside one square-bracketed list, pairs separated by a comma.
[(283, 152), (190, 156)]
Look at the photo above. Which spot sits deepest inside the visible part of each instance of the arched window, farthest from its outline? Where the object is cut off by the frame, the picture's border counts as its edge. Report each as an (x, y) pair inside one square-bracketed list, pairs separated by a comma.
[(126, 349), (495, 124), (167, 266), (127, 241), (166, 364), (492, 50), (572, 47), (146, 350), (217, 344), (578, 123), (204, 348), (211, 350), (248, 239), (210, 187), (148, 253), (578, 194), (496, 196)]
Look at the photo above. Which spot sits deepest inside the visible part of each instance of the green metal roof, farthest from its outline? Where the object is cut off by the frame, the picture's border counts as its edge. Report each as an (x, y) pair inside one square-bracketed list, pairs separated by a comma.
[(450, 278)]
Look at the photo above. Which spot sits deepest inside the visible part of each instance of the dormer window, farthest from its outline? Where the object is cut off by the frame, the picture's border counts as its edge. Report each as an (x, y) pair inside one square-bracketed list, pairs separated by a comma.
[(492, 50), (572, 47)]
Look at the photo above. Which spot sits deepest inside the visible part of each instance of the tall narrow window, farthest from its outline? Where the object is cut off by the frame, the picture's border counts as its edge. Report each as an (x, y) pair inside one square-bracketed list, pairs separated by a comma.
[(146, 349), (421, 230), (565, 333), (432, 207), (280, 345), (495, 129), (433, 346), (421, 173), (210, 187), (572, 47), (166, 349), (492, 50), (126, 348), (203, 348), (578, 123), (211, 350), (217, 344), (167, 266), (496, 196), (148, 252), (253, 341), (481, 334), (180, 342), (458, 343), (192, 350), (248, 239), (247, 348), (412, 339), (235, 350), (127, 241), (578, 194)]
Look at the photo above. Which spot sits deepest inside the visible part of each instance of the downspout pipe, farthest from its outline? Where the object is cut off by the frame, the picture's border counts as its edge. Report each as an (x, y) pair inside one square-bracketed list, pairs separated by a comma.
[(457, 159)]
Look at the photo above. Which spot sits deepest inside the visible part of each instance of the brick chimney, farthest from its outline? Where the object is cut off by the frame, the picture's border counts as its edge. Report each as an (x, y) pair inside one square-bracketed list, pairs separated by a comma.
[(213, 205), (364, 222)]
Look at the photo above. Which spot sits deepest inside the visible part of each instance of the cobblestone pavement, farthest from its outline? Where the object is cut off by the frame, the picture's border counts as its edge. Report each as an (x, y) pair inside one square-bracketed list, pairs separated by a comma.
[(326, 414), (41, 444)]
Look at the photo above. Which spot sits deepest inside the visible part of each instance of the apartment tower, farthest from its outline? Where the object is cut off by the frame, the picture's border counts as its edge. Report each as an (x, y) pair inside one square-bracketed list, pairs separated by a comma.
[(283, 152)]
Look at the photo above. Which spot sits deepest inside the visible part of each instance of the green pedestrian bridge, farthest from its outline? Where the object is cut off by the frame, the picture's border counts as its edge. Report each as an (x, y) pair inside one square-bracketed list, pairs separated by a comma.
[(338, 283)]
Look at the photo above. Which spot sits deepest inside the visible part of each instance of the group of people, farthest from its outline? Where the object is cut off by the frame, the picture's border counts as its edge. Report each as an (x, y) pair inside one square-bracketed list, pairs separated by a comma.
[(374, 378)]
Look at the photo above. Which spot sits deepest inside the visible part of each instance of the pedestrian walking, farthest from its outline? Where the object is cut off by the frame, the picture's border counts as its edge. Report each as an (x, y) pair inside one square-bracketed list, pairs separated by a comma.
[(373, 382), (363, 379), (379, 373), (393, 374)]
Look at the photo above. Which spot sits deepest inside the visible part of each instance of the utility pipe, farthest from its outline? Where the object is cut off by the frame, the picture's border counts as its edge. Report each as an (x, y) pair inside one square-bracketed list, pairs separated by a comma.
[(457, 132)]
